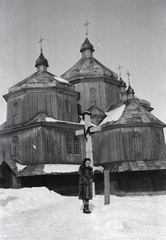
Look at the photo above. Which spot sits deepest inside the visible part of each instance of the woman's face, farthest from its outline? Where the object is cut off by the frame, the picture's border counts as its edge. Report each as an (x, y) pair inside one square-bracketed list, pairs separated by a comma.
[(87, 163)]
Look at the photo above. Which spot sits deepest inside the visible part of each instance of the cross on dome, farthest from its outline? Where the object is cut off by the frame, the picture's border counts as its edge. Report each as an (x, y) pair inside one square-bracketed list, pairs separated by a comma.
[(40, 41), (128, 74), (86, 25), (119, 68)]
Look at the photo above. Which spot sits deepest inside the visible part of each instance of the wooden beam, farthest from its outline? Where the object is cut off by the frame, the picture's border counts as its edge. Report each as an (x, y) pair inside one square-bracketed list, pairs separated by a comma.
[(106, 187)]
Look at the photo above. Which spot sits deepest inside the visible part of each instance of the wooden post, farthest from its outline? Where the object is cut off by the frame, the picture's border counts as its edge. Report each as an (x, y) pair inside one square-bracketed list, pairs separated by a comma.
[(106, 187)]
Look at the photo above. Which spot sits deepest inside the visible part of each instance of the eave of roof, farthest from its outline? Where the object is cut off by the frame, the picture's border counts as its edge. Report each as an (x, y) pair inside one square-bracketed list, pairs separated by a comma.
[(45, 169), (139, 165), (42, 120)]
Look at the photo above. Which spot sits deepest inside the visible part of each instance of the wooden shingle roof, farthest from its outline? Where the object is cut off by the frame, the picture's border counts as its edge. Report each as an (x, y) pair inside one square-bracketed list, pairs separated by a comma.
[(133, 114), (89, 67), (139, 165), (41, 80)]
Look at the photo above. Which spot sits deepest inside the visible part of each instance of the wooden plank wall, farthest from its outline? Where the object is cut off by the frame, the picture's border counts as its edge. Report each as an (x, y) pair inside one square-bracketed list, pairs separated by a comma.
[(84, 88), (158, 143), (107, 94), (41, 144), (54, 145), (117, 145), (112, 93), (32, 103)]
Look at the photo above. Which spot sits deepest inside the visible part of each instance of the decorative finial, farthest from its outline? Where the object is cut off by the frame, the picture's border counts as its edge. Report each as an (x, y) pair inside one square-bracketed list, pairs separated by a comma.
[(128, 77), (119, 68), (86, 24), (41, 39)]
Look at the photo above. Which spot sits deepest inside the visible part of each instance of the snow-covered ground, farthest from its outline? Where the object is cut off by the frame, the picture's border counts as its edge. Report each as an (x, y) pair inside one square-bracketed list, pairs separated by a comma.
[(40, 214)]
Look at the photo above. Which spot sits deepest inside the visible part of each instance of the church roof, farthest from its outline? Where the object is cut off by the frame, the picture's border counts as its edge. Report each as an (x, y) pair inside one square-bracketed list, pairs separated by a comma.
[(88, 67), (40, 80), (130, 113)]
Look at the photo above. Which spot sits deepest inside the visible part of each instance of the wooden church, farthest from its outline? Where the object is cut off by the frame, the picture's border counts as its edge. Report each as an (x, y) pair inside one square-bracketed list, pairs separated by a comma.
[(38, 144), (131, 145)]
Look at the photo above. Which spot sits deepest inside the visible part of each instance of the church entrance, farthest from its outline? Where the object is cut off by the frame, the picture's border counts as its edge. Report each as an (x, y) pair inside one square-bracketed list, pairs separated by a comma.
[(5, 176)]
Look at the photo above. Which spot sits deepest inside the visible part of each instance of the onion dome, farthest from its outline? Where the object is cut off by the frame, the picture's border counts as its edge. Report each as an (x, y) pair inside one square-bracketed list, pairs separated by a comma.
[(122, 83), (85, 47), (41, 61), (130, 90), (130, 93)]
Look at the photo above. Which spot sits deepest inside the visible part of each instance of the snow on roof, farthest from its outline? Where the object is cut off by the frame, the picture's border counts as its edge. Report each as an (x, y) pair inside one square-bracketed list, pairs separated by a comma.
[(50, 119), (65, 168), (114, 115), (20, 167), (61, 79)]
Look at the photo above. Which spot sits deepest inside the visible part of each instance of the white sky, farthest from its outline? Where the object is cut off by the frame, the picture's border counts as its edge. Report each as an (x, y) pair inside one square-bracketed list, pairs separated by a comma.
[(131, 33)]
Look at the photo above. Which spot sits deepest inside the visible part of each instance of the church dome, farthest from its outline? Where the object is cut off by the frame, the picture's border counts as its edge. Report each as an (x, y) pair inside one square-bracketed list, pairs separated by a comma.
[(41, 60), (87, 45), (130, 90), (122, 83)]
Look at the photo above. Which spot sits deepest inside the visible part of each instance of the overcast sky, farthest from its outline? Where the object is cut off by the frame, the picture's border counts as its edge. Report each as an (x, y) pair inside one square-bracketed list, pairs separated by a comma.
[(131, 33)]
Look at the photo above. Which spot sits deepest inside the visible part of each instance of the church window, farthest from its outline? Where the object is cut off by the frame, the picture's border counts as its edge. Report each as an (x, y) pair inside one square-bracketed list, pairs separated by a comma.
[(15, 109), (76, 145), (68, 107), (72, 144), (93, 97), (15, 145), (137, 144), (69, 144), (158, 139)]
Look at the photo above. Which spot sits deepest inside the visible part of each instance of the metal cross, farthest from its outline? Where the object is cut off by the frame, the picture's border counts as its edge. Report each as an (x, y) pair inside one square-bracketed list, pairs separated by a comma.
[(119, 70), (86, 24), (41, 39), (128, 76)]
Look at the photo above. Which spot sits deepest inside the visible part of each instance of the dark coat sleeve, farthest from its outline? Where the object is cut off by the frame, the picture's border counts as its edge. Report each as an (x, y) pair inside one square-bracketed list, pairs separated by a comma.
[(86, 175)]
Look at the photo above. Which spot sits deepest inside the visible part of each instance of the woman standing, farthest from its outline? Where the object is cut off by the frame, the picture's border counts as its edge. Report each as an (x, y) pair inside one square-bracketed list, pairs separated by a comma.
[(86, 178)]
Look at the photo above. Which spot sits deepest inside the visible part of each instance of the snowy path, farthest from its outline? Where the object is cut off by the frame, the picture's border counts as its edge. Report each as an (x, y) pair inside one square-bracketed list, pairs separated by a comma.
[(40, 214)]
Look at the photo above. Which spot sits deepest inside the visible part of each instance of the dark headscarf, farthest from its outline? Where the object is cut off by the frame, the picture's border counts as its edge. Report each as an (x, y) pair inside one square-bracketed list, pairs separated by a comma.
[(85, 160)]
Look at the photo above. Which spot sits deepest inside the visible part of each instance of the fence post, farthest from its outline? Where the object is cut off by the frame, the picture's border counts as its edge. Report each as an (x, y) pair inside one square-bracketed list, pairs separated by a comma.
[(106, 187)]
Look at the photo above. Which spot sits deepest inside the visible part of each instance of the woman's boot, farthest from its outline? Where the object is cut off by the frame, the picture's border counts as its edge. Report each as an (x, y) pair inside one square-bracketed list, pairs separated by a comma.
[(86, 207)]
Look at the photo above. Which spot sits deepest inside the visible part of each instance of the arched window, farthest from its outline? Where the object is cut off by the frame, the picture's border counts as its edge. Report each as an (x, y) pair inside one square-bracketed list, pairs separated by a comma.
[(68, 107), (76, 145), (158, 139), (15, 108), (69, 143), (93, 96), (137, 144), (15, 145)]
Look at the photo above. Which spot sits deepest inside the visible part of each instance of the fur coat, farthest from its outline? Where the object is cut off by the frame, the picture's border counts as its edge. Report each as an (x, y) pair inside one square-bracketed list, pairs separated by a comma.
[(86, 178)]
